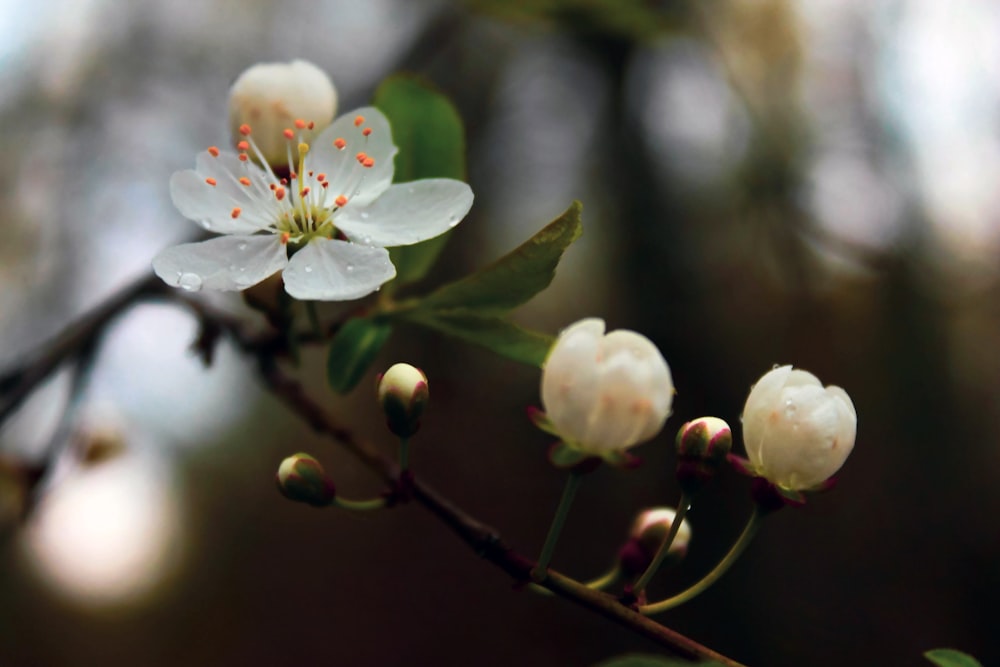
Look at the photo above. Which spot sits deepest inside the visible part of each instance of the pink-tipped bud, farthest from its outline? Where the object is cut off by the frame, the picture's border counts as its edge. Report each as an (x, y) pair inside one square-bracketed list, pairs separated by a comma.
[(648, 532), (403, 394), (301, 478), (702, 447)]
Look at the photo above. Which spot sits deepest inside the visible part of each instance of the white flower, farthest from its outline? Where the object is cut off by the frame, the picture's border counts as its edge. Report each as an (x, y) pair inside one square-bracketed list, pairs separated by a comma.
[(797, 432), (270, 96), (337, 212), (605, 393)]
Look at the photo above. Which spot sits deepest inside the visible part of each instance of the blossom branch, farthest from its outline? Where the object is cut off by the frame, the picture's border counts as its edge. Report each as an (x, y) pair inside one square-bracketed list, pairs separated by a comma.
[(266, 349)]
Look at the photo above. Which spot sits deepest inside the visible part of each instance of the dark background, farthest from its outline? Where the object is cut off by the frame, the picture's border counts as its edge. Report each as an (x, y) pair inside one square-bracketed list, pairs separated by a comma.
[(763, 182)]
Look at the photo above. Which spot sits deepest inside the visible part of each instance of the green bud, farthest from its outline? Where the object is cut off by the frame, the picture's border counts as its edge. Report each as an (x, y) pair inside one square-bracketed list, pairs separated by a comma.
[(403, 394), (702, 447), (301, 478)]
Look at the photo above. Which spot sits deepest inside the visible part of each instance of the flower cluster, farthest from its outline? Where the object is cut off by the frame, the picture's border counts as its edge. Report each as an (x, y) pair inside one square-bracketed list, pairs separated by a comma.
[(324, 215)]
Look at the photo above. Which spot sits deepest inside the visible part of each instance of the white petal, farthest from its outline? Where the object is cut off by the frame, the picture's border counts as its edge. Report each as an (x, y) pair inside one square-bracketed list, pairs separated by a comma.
[(346, 176), (332, 270), (223, 263), (757, 412), (212, 205), (408, 213)]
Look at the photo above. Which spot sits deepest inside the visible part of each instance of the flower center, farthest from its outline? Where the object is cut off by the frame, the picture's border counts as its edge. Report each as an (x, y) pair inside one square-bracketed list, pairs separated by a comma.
[(299, 206)]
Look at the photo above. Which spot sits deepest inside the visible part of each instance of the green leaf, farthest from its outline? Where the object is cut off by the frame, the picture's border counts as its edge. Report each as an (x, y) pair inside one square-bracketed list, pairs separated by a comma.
[(431, 139), (494, 333), (638, 660), (353, 350), (948, 657), (517, 276)]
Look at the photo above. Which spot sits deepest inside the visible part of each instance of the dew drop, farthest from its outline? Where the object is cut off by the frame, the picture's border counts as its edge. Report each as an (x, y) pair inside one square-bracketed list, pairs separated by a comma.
[(206, 224), (307, 268), (242, 246), (411, 190), (189, 281), (452, 220), (367, 240), (350, 267), (364, 215)]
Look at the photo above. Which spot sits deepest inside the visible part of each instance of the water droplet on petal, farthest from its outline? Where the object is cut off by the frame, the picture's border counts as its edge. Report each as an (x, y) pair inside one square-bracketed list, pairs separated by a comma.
[(242, 246), (206, 224), (350, 267), (452, 220), (410, 190), (364, 215), (307, 268), (367, 240), (356, 192), (189, 281), (242, 281)]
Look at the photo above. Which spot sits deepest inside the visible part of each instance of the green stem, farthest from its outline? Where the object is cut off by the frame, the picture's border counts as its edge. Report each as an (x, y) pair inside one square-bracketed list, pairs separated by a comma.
[(404, 454), (359, 505), (606, 580), (734, 552), (569, 491), (682, 510)]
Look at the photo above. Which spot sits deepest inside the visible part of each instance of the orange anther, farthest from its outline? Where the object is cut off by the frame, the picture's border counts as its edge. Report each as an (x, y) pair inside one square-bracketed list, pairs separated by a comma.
[(236, 212), (292, 175), (245, 130), (311, 173), (211, 181), (367, 131), (279, 193), (244, 181), (273, 186), (358, 121), (288, 133), (213, 151), (284, 181), (284, 237), (325, 184), (339, 143), (369, 162), (243, 146), (243, 157), (340, 201), (303, 192), (311, 125), (361, 157), (299, 123), (321, 176)]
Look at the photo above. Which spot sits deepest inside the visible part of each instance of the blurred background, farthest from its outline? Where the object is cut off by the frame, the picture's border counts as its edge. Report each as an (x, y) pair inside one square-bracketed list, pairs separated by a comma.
[(810, 182)]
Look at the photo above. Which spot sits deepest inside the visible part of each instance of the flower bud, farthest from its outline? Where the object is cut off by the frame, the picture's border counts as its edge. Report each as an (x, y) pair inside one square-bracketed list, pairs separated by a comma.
[(702, 447), (301, 478), (403, 394), (605, 393), (648, 532), (270, 97), (797, 432)]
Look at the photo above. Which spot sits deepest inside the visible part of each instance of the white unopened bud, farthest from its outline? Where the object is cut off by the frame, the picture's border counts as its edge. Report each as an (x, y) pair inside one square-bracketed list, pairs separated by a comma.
[(403, 394), (271, 97), (797, 432), (301, 478), (647, 534), (605, 393)]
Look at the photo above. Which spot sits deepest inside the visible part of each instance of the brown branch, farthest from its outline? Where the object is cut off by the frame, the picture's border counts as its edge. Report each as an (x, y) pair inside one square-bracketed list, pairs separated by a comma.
[(266, 349)]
